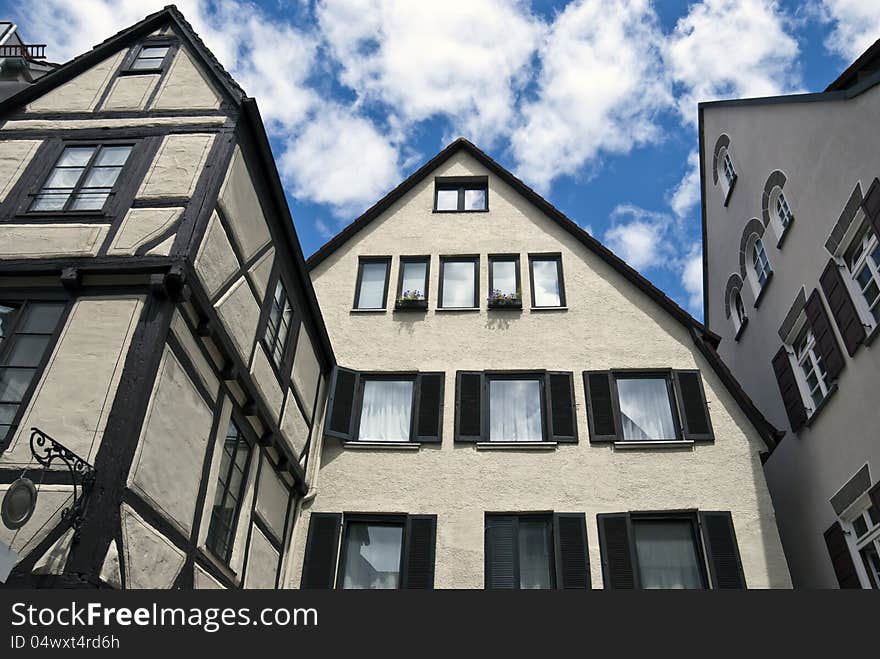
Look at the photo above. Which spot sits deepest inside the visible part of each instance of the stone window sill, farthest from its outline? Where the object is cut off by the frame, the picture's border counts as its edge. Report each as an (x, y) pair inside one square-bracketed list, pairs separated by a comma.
[(534, 309), (383, 446), (516, 446), (652, 444)]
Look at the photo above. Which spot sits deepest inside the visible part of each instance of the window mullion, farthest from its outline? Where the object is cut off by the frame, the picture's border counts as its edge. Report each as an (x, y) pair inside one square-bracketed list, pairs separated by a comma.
[(77, 187)]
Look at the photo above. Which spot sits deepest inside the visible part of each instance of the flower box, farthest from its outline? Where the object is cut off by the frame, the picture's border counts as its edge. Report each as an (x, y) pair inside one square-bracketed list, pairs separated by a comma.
[(411, 305), (505, 303)]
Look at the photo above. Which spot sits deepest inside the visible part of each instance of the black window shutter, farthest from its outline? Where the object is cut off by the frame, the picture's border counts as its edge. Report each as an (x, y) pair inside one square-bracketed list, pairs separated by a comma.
[(562, 416), (788, 387), (842, 308), (501, 552), (826, 343), (841, 558), (421, 539), (468, 406), (339, 407), (600, 406), (319, 565), (871, 206), (618, 558), (722, 552), (695, 421), (429, 427), (572, 554)]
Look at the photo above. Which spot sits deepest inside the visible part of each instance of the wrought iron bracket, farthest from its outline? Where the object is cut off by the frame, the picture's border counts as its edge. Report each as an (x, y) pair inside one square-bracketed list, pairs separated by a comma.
[(47, 451)]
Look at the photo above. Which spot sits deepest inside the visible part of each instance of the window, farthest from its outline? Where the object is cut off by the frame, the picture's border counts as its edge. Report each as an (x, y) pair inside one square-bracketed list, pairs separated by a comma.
[(738, 312), (378, 551), (728, 172), (645, 408), (82, 179), (863, 261), (505, 290), (866, 531), (27, 331), (523, 543), (234, 464), (546, 276), (783, 211), (412, 283), (810, 368), (149, 59), (278, 324), (515, 409), (461, 195), (386, 410), (670, 550), (372, 283), (459, 282), (760, 264)]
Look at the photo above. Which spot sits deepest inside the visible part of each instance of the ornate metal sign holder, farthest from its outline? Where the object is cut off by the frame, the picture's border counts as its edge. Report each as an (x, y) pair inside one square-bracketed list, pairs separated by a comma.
[(46, 451)]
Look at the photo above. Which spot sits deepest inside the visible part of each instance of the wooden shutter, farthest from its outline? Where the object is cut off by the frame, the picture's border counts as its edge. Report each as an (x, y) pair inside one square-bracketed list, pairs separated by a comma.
[(322, 543), (871, 206), (826, 343), (841, 558), (501, 552), (788, 387), (618, 557), (563, 423), (874, 493), (695, 422), (601, 412), (468, 406), (339, 407), (722, 551), (421, 539), (572, 554), (429, 425), (842, 308)]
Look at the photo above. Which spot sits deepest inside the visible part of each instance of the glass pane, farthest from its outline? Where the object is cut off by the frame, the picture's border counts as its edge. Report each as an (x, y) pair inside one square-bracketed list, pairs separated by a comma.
[(102, 177), (546, 282), (7, 414), (41, 318), (14, 383), (534, 554), (874, 514), (50, 201), (63, 178), (475, 200), (153, 51), (447, 200), (644, 408), (7, 315), (386, 411), (75, 156), (458, 284), (414, 275), (666, 554), (113, 156), (372, 290), (27, 350), (89, 201), (141, 64), (504, 277), (515, 411), (372, 556), (860, 526)]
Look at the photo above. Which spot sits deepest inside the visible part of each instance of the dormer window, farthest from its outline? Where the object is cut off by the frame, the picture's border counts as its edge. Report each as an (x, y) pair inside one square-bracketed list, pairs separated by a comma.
[(461, 195)]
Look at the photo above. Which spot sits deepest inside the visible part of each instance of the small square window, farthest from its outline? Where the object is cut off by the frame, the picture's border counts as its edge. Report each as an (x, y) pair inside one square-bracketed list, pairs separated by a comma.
[(468, 195)]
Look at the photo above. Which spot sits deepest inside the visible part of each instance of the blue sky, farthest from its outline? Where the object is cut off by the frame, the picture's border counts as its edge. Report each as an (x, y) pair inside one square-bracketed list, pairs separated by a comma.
[(592, 102)]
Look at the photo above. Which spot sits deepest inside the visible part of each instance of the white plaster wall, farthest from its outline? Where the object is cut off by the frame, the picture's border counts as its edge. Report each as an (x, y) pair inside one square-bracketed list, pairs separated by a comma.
[(30, 241), (272, 499), (204, 581), (239, 202), (52, 500), (609, 324), (262, 563), (185, 87), (140, 226), (261, 271), (239, 312), (130, 92), (80, 94), (267, 382), (73, 399), (306, 370), (215, 262), (177, 166), (151, 559), (15, 156), (294, 427), (189, 343)]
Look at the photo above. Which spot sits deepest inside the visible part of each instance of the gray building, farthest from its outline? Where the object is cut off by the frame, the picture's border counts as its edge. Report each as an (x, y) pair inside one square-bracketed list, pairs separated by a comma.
[(791, 218), (21, 63)]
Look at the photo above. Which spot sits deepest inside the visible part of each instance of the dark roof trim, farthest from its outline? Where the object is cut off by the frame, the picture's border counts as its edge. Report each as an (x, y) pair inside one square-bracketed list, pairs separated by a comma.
[(254, 122), (542, 204), (852, 71), (120, 40)]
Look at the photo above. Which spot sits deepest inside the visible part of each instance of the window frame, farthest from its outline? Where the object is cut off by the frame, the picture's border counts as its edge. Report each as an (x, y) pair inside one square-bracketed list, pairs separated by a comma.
[(358, 404), (374, 519), (865, 542), (738, 313), (464, 258), (6, 346), (505, 258), (810, 354), (728, 183), (402, 263), (690, 516), (173, 46), (667, 375), (461, 184), (778, 201), (548, 256), (865, 260), (368, 260), (280, 366), (541, 376), (546, 516)]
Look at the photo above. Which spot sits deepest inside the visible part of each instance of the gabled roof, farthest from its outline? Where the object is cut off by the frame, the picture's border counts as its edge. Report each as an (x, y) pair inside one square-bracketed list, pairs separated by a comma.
[(706, 340)]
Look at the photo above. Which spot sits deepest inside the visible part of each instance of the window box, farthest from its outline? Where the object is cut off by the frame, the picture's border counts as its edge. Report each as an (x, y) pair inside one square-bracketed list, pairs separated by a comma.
[(505, 302), (413, 304)]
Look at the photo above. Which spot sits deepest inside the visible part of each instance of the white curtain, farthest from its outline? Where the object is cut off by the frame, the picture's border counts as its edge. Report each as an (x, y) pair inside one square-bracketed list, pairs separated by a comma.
[(644, 409), (372, 286), (666, 553), (372, 557), (386, 411), (458, 284), (515, 411)]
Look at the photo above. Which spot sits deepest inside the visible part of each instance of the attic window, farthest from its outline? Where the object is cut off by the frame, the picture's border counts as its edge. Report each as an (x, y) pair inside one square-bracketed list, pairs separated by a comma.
[(461, 195), (149, 59)]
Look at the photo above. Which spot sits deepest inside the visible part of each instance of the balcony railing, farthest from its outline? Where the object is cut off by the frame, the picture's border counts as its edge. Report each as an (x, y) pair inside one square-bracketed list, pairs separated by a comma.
[(28, 51)]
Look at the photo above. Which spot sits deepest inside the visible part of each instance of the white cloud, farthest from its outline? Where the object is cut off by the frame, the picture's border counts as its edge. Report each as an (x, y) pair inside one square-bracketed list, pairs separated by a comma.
[(460, 59), (731, 49), (692, 279), (639, 236), (686, 195), (856, 26), (599, 89)]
